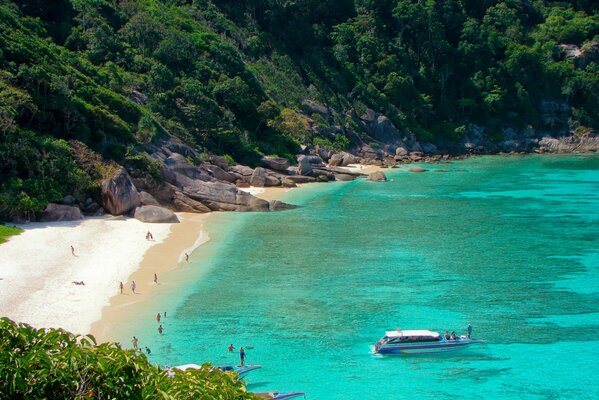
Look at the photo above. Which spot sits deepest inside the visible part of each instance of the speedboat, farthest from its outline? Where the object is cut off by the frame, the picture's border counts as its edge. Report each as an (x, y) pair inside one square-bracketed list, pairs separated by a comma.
[(241, 370), (279, 395), (419, 342)]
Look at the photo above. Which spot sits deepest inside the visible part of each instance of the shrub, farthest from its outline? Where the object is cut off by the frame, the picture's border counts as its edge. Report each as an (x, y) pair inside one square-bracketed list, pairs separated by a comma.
[(55, 364)]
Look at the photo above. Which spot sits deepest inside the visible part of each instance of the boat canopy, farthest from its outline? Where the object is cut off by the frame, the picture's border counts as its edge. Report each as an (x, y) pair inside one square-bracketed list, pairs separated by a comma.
[(418, 333)]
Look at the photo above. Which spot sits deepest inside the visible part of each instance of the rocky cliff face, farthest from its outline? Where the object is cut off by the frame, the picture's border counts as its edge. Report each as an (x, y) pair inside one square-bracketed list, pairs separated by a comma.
[(190, 183)]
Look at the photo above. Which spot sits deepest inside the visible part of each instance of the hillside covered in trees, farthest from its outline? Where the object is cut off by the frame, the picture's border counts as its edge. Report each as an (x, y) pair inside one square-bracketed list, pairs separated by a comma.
[(87, 84)]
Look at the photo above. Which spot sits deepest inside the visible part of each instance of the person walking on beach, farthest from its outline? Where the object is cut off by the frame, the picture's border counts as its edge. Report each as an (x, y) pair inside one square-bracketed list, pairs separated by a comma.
[(469, 330), (72, 250), (155, 278), (121, 286), (231, 348), (242, 355), (160, 329), (158, 317), (186, 257), (149, 236), (165, 314), (133, 286), (134, 342)]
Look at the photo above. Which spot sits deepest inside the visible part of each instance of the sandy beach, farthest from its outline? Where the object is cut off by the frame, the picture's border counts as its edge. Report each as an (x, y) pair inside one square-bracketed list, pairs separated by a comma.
[(38, 271)]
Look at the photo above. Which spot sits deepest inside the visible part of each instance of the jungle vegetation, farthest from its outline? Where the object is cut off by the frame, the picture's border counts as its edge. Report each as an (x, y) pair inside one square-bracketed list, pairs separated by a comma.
[(87, 83)]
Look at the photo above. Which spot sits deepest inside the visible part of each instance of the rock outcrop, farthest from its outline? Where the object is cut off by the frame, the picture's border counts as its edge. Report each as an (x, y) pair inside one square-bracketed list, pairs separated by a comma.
[(147, 199), (258, 178), (275, 163), (377, 176), (186, 204), (417, 169), (60, 212), (307, 163), (276, 205), (154, 214), (219, 196), (119, 195), (570, 144)]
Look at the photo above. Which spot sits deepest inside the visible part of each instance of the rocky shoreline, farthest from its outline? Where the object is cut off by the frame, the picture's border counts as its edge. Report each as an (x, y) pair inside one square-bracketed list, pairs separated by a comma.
[(191, 181)]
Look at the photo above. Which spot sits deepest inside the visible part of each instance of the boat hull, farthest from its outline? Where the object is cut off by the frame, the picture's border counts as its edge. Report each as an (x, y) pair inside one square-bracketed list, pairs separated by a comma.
[(445, 347)]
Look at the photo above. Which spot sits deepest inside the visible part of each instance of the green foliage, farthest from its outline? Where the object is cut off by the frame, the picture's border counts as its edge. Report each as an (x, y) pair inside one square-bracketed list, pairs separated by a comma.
[(229, 76), (55, 364), (7, 231)]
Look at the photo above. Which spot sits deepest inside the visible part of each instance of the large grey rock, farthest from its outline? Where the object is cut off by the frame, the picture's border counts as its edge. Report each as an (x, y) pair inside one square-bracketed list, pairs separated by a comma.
[(276, 163), (187, 204), (336, 160), (286, 182), (276, 205), (119, 195), (218, 173), (271, 180), (383, 129), (417, 169), (307, 163), (147, 199), (242, 170), (301, 179), (377, 176), (220, 162), (258, 177), (178, 163), (323, 153), (323, 172), (155, 214), (60, 212), (219, 196), (349, 159), (401, 151)]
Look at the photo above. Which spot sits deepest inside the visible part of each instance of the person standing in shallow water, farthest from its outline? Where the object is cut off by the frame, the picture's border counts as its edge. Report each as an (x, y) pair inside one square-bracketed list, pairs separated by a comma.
[(121, 286), (158, 317), (160, 329), (134, 342), (155, 278), (133, 286), (242, 355), (231, 348)]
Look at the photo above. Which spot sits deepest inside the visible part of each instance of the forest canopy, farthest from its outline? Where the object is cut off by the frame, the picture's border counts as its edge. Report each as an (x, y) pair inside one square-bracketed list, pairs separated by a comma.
[(86, 78)]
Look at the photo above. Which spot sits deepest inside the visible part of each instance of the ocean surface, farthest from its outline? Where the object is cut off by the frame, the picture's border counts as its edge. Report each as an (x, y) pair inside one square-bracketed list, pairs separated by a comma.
[(509, 244)]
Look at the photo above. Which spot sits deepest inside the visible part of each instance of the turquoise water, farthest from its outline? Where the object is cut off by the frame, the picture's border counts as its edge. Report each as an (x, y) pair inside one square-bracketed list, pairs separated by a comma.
[(509, 244)]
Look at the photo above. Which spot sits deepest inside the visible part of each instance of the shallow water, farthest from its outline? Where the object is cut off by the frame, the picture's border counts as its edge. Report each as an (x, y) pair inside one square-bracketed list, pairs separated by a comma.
[(510, 244)]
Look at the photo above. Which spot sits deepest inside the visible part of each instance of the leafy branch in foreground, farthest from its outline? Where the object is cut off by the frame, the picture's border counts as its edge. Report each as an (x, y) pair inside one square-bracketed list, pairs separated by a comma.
[(55, 364)]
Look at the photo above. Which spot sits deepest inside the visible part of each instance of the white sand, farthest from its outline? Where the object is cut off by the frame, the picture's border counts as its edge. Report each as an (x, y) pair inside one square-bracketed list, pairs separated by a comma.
[(37, 269)]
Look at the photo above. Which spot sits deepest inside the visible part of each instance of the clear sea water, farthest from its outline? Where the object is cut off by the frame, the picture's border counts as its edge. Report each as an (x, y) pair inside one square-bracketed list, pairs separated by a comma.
[(509, 244)]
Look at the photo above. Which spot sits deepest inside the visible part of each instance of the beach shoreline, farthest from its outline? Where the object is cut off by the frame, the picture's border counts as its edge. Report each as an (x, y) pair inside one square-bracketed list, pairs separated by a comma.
[(40, 275)]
